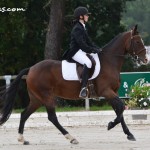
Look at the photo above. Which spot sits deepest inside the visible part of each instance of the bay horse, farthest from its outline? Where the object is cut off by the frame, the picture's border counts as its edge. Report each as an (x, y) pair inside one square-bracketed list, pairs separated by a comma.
[(45, 82)]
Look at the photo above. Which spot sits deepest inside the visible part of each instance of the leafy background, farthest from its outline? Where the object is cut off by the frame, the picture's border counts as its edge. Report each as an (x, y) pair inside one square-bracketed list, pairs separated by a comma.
[(23, 34)]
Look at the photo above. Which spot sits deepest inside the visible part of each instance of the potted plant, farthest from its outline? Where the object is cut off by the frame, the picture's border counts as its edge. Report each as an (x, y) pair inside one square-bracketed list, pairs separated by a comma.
[(139, 97)]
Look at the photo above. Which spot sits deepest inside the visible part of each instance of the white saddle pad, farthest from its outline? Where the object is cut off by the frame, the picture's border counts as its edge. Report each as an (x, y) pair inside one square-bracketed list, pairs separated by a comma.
[(69, 69)]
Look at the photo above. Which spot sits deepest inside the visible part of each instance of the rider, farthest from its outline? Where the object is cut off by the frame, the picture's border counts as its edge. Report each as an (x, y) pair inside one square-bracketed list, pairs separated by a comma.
[(80, 45)]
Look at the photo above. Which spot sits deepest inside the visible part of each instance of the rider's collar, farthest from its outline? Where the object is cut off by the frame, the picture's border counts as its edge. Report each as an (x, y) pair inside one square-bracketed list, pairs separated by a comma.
[(82, 24)]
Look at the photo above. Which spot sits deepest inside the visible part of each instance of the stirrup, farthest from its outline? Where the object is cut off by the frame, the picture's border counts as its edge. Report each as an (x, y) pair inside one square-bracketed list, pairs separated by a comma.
[(84, 93)]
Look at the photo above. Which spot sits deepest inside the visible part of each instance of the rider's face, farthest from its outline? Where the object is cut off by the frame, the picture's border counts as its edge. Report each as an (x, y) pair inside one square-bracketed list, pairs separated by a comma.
[(86, 17)]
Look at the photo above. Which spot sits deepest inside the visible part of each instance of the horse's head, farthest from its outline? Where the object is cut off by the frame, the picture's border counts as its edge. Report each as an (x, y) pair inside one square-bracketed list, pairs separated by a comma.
[(135, 46)]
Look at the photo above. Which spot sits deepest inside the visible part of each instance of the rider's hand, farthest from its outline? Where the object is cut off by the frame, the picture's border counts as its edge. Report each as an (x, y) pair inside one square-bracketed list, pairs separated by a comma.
[(96, 50)]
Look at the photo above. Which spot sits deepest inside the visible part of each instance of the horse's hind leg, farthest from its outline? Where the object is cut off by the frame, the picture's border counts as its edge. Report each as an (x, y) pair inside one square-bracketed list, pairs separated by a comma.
[(32, 107), (53, 118)]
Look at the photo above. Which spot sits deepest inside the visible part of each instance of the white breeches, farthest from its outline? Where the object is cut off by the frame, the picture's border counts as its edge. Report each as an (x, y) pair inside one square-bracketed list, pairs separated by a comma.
[(81, 58)]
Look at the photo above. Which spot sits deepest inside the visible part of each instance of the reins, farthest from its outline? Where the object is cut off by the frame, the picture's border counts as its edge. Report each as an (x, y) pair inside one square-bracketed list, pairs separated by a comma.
[(108, 53)]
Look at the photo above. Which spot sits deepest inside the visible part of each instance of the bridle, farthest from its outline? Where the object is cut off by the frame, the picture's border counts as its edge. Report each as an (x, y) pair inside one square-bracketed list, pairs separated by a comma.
[(132, 51)]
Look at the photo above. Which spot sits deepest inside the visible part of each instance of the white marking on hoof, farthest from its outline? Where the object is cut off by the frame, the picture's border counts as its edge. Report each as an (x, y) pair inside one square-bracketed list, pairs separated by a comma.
[(72, 139), (21, 138)]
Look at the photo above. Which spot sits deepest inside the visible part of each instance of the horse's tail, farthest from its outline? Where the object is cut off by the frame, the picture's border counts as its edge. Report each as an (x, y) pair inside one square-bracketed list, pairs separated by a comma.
[(7, 97)]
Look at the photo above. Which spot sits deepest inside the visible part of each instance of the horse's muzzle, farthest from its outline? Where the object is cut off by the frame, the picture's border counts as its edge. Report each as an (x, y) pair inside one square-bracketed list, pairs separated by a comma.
[(145, 61), (141, 61)]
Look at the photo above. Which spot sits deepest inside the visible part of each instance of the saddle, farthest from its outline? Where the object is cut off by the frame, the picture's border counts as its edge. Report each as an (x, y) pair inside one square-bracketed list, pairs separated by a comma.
[(75, 72)]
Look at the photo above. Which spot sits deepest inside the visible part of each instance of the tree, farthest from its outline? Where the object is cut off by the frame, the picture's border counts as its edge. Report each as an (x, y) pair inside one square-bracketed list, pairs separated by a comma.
[(22, 41), (22, 35), (54, 31), (138, 12)]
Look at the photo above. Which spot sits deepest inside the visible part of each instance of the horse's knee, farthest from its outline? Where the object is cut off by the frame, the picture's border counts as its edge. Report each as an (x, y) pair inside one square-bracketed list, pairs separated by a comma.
[(121, 104), (118, 119), (118, 106)]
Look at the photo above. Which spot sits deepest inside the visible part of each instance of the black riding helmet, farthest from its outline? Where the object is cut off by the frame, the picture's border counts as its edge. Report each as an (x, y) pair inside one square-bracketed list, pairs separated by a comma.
[(80, 11)]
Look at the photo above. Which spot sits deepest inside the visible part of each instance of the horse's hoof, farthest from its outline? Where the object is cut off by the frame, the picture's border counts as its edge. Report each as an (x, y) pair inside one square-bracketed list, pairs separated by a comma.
[(131, 138), (26, 143), (110, 125), (74, 141)]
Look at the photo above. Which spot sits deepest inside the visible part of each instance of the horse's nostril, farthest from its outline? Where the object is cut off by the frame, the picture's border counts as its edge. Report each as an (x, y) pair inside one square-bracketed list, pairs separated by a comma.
[(146, 60)]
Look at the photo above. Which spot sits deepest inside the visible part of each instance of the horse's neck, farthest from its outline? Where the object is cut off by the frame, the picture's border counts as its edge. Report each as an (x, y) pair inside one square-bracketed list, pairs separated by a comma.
[(114, 53)]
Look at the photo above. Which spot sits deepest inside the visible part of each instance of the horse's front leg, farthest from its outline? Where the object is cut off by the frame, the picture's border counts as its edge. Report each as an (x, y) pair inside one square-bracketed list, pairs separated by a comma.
[(130, 136), (119, 106)]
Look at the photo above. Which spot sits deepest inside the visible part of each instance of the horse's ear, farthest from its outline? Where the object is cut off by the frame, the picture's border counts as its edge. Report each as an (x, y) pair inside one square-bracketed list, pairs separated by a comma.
[(134, 30)]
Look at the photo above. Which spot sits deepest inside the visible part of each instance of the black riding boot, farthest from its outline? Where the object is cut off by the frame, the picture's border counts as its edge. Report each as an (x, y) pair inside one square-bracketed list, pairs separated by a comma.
[(85, 77)]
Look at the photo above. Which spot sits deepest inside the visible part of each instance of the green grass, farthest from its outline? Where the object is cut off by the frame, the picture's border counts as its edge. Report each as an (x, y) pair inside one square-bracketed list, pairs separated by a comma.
[(66, 109)]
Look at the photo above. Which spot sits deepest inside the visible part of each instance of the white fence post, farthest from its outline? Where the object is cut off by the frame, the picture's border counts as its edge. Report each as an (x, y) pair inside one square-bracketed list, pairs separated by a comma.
[(7, 80), (87, 104)]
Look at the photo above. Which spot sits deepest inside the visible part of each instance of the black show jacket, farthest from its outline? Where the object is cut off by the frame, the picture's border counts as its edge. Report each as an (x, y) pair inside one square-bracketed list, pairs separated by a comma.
[(79, 40)]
